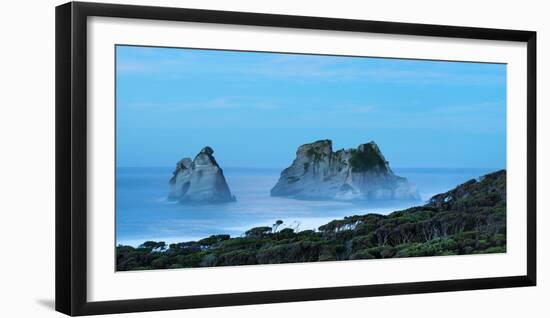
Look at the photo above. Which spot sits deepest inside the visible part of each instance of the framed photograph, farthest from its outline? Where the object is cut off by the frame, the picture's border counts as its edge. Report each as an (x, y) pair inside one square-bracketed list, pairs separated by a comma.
[(214, 158)]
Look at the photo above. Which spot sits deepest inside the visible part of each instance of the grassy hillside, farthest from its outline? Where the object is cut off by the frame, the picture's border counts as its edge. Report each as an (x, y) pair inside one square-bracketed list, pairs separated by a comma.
[(470, 219)]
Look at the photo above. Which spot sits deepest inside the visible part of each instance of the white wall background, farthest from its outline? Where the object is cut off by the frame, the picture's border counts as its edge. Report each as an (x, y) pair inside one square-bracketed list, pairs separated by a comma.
[(27, 158)]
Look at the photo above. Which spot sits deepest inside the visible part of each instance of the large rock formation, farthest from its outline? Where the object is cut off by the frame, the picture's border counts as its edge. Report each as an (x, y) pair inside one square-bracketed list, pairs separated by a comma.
[(200, 180), (347, 174)]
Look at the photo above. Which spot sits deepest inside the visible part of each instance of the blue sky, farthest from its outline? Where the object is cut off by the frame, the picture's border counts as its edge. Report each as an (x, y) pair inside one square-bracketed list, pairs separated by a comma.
[(255, 109)]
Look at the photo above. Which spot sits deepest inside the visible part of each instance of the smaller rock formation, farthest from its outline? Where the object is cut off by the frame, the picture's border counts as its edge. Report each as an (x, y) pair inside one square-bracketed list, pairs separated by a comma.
[(200, 180)]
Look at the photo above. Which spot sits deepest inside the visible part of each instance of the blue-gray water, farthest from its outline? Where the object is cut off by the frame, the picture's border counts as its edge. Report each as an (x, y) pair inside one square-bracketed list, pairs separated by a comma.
[(143, 212)]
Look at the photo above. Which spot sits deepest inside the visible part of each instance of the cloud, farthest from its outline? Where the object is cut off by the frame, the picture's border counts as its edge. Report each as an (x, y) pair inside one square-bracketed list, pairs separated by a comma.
[(221, 103), (471, 108), (339, 68), (298, 67)]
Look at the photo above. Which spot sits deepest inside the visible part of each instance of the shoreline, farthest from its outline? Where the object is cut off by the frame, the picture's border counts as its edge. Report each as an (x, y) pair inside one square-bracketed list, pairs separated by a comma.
[(304, 223), (468, 219), (307, 219)]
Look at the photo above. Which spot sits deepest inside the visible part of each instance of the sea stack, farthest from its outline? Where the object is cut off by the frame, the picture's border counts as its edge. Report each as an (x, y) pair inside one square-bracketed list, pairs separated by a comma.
[(363, 173), (200, 180)]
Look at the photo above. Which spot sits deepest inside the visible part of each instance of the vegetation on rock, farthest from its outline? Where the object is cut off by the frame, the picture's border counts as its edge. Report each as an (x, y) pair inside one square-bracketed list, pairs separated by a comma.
[(368, 159)]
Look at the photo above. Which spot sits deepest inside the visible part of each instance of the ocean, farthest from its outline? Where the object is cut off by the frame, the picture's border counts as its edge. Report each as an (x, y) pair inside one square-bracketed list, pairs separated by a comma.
[(144, 213)]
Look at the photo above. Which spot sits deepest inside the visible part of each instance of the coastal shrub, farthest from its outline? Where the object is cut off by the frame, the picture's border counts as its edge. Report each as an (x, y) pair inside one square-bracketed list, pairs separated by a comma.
[(285, 233), (211, 240), (309, 234), (333, 252), (185, 247), (236, 258), (431, 248), (495, 249), (209, 260), (260, 231), (302, 251), (153, 245), (378, 251), (159, 262), (363, 241), (325, 257), (348, 223), (362, 255), (368, 225)]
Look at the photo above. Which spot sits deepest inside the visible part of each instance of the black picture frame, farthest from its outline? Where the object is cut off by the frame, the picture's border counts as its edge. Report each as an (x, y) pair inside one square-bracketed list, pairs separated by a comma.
[(71, 154)]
